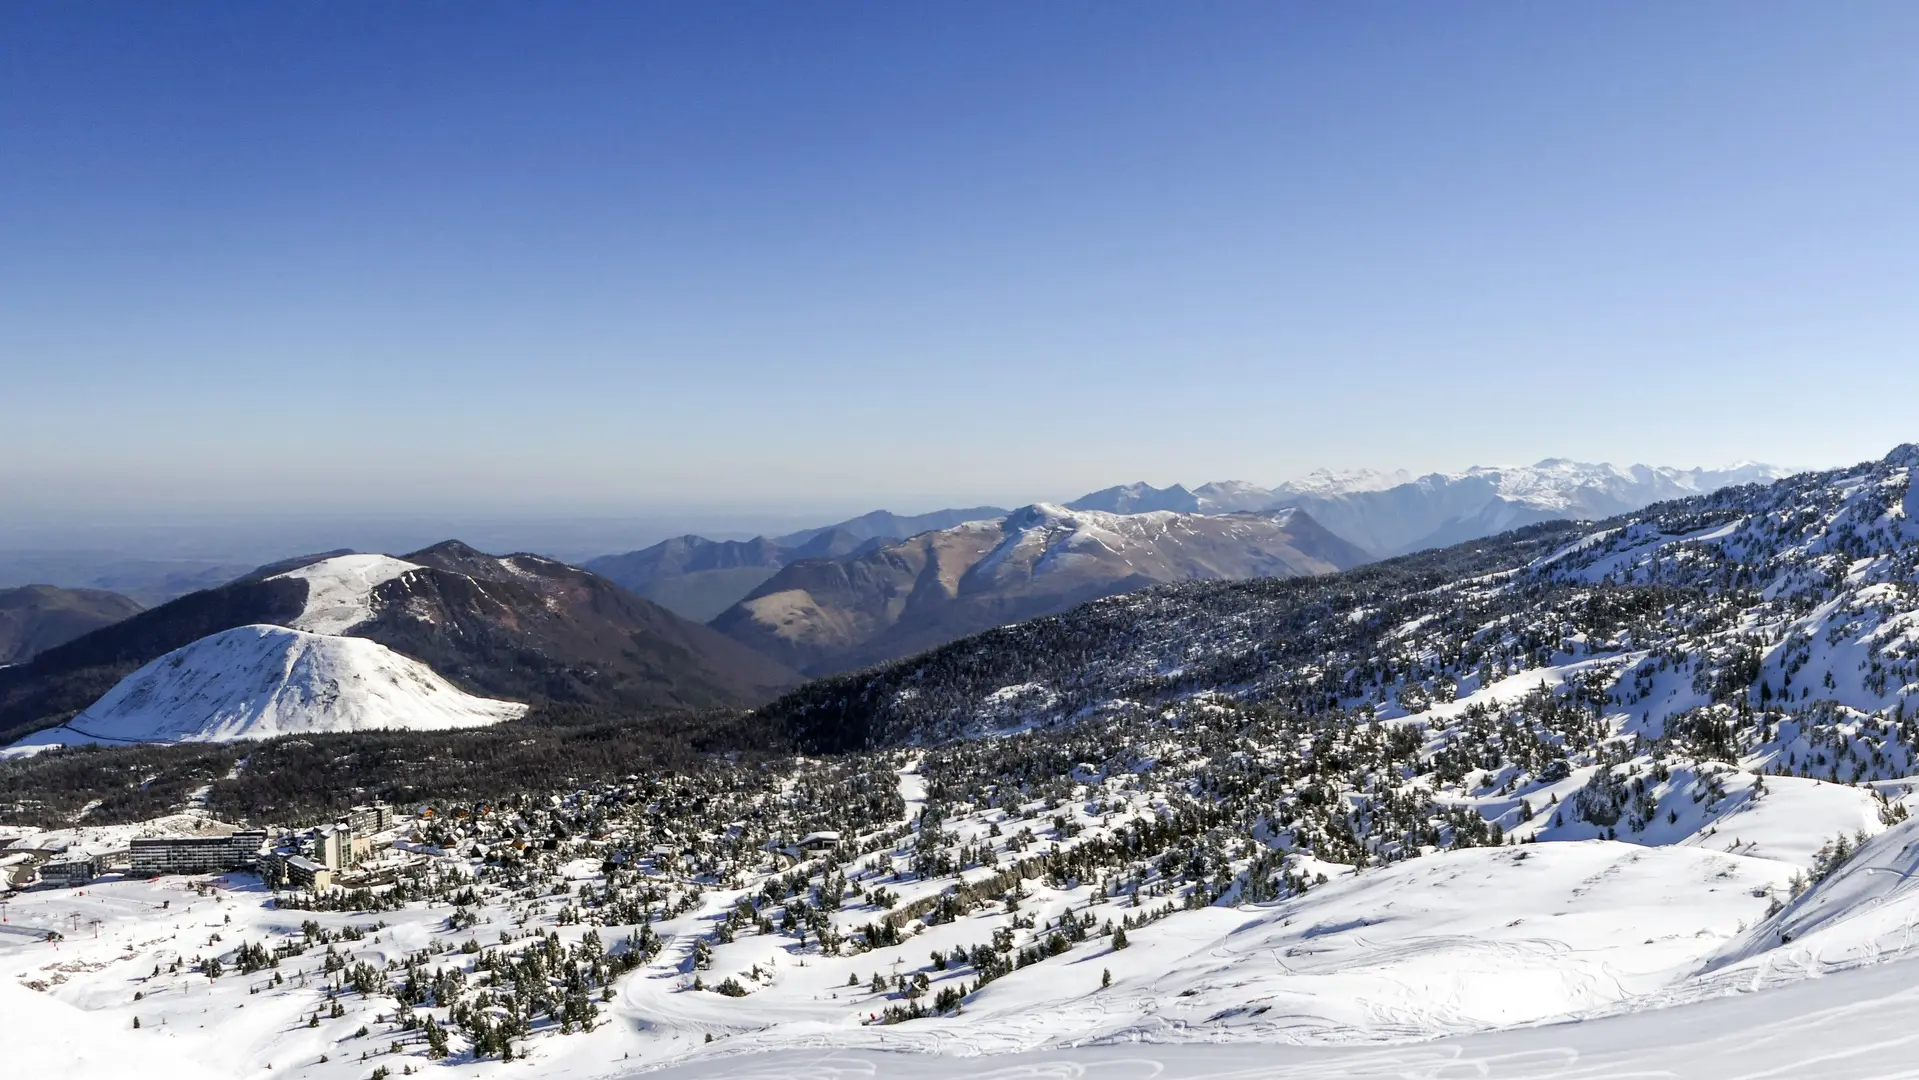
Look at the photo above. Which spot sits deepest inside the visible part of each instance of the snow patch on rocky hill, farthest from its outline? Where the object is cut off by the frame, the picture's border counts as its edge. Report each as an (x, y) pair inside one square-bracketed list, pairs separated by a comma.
[(340, 590)]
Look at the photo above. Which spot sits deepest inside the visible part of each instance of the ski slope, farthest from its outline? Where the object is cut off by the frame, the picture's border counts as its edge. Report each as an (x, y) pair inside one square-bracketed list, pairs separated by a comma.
[(1862, 1025)]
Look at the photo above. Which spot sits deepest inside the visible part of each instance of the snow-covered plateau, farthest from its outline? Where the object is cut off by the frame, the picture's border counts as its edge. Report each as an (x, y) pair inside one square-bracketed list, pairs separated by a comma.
[(1574, 958)]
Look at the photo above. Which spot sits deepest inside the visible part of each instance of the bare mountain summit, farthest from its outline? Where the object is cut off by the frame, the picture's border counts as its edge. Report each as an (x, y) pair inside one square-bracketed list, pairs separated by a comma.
[(35, 618), (823, 615)]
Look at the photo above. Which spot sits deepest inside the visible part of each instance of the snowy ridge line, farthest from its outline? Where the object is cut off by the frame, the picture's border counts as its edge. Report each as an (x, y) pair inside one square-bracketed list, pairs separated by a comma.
[(340, 590)]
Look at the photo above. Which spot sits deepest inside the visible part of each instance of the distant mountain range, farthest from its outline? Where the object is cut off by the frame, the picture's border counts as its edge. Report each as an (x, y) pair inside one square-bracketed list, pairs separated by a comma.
[(822, 615), (35, 618), (443, 637), (1382, 513), (1395, 513), (449, 636), (699, 578)]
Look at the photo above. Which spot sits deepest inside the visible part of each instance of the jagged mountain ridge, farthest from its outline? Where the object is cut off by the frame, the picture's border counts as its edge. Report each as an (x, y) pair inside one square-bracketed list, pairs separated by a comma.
[(886, 525), (1384, 513), (520, 628), (1440, 509), (1689, 605), (35, 618), (825, 615)]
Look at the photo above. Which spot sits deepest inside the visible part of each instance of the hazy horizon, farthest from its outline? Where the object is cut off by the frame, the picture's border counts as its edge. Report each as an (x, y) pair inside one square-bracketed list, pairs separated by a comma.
[(362, 260)]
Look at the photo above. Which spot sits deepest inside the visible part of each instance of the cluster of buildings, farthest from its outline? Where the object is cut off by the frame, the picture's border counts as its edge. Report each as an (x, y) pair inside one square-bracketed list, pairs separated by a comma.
[(61, 864), (313, 859), (309, 860)]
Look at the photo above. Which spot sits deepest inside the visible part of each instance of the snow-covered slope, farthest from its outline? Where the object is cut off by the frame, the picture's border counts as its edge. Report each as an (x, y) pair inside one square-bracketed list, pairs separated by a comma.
[(1862, 913), (48, 1038), (340, 590), (255, 682), (513, 628)]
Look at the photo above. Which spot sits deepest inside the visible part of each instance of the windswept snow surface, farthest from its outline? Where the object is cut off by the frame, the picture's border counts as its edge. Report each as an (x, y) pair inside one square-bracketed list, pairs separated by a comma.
[(49, 1039), (256, 682), (340, 590), (1865, 912), (1567, 959), (1463, 964), (1861, 1025)]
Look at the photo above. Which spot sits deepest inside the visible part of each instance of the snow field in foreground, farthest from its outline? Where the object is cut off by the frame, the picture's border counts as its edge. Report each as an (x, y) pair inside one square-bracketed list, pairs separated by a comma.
[(1862, 1025), (1456, 942), (1472, 962)]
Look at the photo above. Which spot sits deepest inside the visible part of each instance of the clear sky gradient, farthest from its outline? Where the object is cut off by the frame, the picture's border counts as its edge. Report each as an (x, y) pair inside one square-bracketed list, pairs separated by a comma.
[(527, 258)]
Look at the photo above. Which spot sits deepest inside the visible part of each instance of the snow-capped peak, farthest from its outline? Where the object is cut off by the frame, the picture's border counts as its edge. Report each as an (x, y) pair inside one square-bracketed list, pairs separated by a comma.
[(1343, 481)]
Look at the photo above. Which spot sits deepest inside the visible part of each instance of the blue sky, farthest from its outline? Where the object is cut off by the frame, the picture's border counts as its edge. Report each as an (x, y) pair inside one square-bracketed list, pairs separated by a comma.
[(518, 258)]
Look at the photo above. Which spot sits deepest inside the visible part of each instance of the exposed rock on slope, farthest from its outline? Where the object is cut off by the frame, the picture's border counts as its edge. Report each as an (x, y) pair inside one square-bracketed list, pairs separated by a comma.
[(529, 628), (822, 615)]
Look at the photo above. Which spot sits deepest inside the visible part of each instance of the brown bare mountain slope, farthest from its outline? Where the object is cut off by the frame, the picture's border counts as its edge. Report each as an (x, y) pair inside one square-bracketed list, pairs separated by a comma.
[(35, 618), (826, 615)]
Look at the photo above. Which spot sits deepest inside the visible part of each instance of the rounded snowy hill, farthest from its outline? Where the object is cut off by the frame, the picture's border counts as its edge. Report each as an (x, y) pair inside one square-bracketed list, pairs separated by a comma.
[(445, 637), (259, 681)]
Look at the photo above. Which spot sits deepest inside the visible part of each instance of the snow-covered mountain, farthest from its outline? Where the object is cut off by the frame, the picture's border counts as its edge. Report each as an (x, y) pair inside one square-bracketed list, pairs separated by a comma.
[(1774, 578), (1139, 498), (1632, 797), (444, 637), (1391, 513), (1342, 482), (340, 590), (256, 682), (825, 615)]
